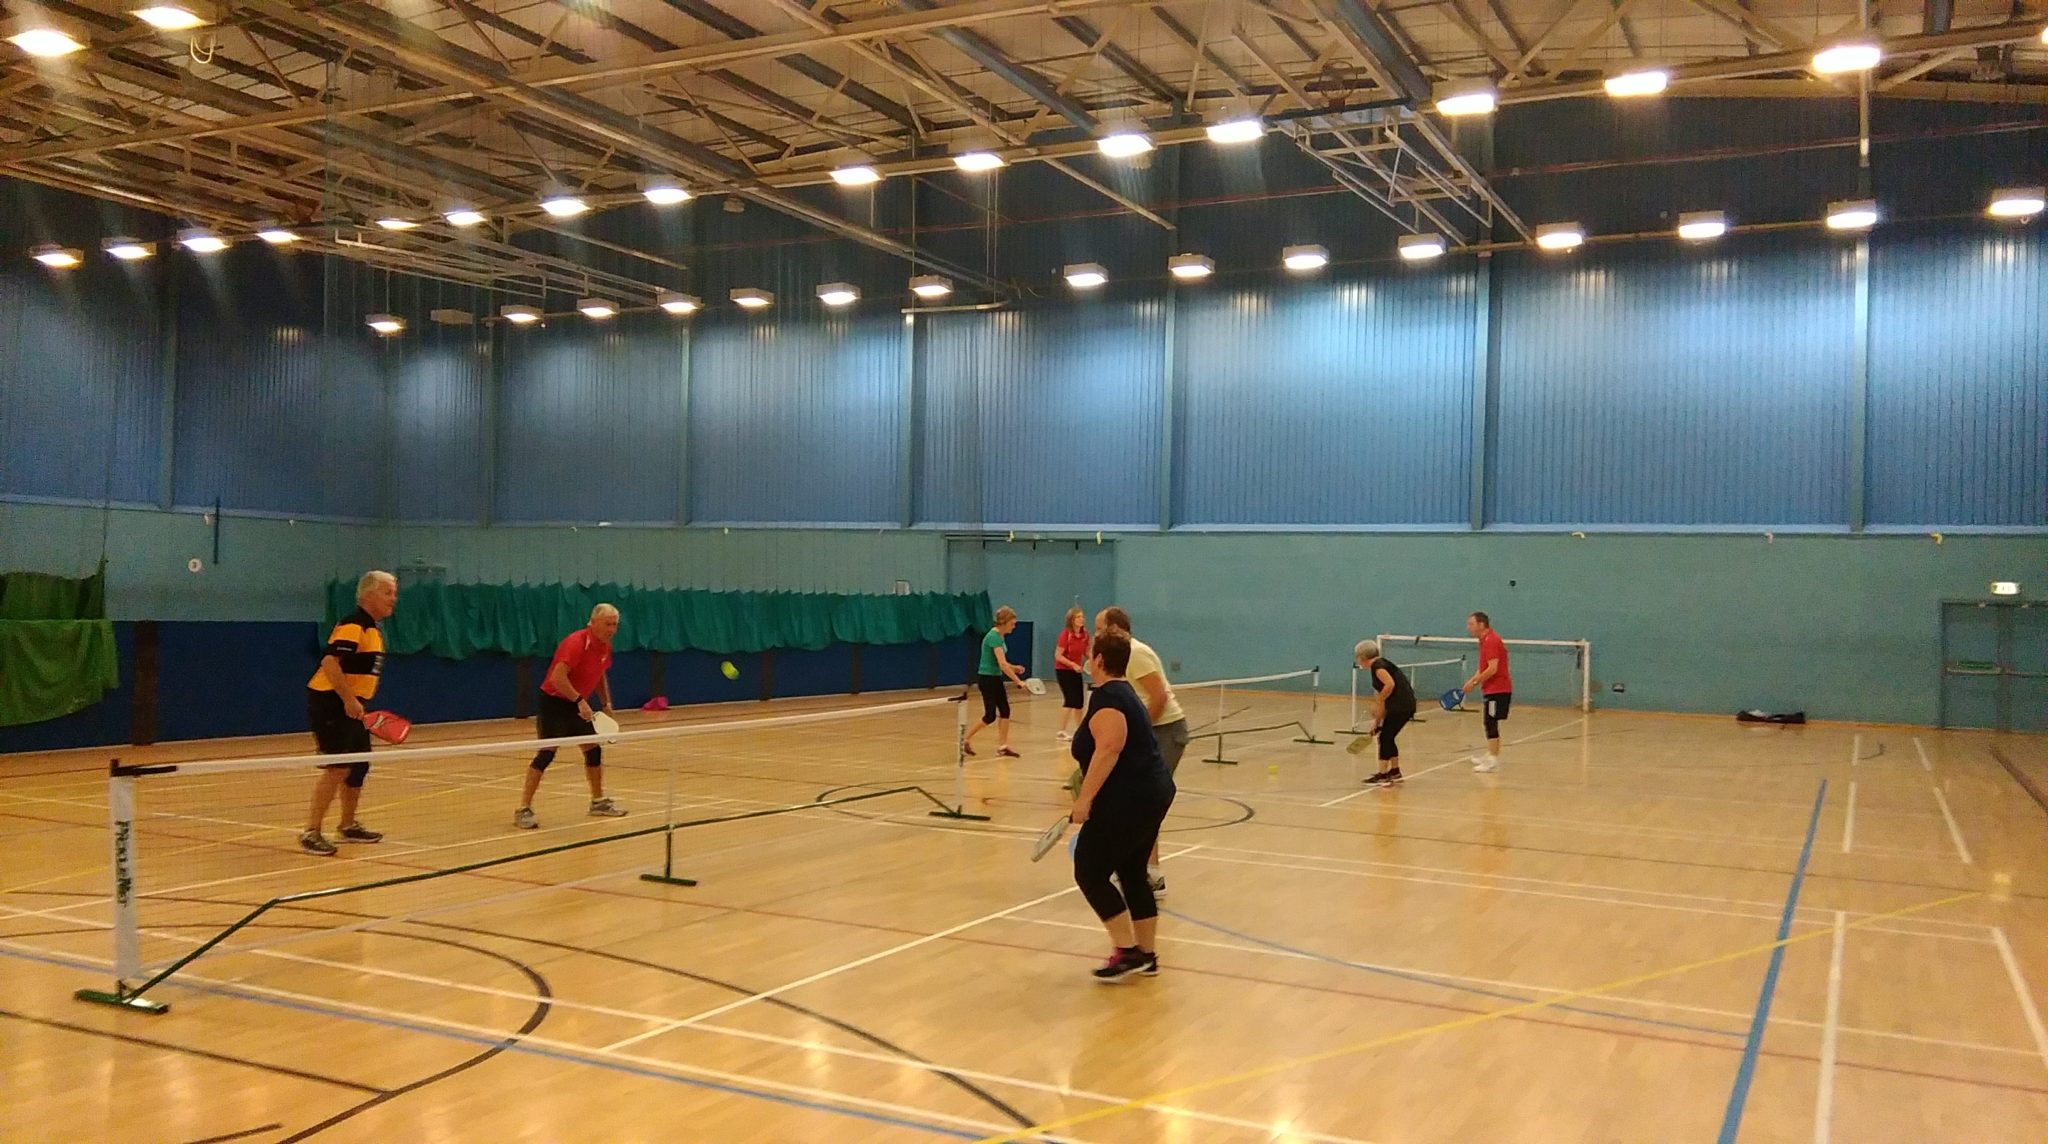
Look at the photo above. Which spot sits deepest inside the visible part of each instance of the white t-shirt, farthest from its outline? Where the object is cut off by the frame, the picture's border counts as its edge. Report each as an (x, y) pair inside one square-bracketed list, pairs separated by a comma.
[(1144, 662)]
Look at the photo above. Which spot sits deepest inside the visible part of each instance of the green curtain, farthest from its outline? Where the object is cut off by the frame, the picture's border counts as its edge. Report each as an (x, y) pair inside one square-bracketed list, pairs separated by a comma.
[(456, 621), (51, 668), (41, 596)]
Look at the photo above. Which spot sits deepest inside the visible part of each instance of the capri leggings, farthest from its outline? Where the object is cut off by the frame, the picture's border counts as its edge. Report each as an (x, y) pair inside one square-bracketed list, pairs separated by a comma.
[(995, 698), (1117, 843)]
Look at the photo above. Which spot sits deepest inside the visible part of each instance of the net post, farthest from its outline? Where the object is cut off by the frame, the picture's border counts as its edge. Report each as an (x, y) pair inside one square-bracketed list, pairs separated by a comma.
[(1585, 677), (1315, 693), (959, 808), (667, 877), (127, 932)]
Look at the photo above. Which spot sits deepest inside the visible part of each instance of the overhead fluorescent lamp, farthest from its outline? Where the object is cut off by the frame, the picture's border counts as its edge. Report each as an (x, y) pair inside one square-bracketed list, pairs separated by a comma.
[(1237, 131), (1644, 81), (1085, 275), (1560, 236), (597, 309), (46, 43), (386, 324), (1420, 247), (563, 206), (201, 241), (1188, 267), (57, 257), (1305, 257), (839, 293), (1124, 144), (665, 194), (1847, 56), (277, 236), (128, 249), (1475, 97), (931, 286), (464, 216), (856, 175), (170, 17), (1852, 214), (1699, 226), (751, 299), (975, 162), (678, 304), (393, 222), (2016, 202), (518, 314)]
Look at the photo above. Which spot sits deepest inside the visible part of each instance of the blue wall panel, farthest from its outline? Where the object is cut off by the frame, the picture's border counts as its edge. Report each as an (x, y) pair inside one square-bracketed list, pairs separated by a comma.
[(796, 421), (229, 679), (1959, 380), (591, 422), (429, 689), (1345, 403), (1661, 387), (1043, 416), (827, 671), (895, 667), (438, 387), (81, 386)]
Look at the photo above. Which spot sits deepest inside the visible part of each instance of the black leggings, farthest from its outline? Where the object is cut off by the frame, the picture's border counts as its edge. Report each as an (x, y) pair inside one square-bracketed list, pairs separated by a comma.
[(995, 698), (1118, 844), (1390, 726), (1071, 692)]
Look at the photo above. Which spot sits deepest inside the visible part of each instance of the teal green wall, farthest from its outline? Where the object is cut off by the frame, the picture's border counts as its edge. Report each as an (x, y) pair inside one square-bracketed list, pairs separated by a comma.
[(1842, 627)]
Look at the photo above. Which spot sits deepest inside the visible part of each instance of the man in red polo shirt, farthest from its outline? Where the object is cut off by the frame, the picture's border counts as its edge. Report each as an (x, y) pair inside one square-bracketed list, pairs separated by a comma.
[(1497, 687), (575, 674)]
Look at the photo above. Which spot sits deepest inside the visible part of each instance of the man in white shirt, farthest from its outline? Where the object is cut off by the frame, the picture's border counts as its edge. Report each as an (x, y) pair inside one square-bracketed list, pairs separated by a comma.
[(1169, 723)]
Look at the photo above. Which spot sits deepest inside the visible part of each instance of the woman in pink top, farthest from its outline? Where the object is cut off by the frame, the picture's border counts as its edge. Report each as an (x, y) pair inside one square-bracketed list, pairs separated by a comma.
[(1069, 658)]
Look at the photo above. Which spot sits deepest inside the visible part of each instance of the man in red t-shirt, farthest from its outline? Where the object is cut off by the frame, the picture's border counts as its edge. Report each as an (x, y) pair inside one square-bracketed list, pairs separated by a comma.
[(575, 674), (1497, 687)]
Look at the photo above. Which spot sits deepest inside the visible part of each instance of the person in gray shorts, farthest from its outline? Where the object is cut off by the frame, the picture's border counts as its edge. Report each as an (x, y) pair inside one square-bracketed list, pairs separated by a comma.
[(1169, 723)]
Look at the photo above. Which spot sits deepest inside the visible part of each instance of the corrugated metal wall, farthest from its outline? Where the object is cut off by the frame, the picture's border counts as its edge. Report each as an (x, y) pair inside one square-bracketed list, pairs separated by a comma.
[(1048, 416), (590, 421), (81, 386), (1345, 403), (1678, 388), (1959, 380), (439, 382), (795, 421)]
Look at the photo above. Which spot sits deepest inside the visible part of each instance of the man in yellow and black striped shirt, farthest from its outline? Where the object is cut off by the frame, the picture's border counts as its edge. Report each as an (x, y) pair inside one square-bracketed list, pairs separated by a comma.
[(334, 707)]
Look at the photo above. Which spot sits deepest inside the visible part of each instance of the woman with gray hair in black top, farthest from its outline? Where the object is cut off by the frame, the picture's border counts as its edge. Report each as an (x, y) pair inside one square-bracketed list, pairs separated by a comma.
[(1125, 792)]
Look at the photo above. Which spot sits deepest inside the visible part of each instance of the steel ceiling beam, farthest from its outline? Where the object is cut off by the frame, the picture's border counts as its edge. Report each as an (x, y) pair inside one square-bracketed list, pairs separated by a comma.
[(734, 28), (1374, 35), (977, 48)]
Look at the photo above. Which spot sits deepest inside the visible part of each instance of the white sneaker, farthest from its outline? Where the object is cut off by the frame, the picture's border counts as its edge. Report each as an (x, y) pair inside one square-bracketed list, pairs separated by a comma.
[(1485, 764), (1156, 880), (1063, 736)]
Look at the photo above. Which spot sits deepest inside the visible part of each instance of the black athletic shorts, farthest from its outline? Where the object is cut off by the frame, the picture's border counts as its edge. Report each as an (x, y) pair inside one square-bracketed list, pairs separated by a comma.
[(333, 731), (559, 719), (1494, 710), (1070, 688), (995, 698), (1390, 726)]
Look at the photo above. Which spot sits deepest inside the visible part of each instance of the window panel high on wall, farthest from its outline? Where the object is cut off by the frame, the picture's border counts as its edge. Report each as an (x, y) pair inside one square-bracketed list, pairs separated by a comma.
[(1959, 380), (797, 421), (1345, 403), (591, 421), (1654, 386), (1047, 416)]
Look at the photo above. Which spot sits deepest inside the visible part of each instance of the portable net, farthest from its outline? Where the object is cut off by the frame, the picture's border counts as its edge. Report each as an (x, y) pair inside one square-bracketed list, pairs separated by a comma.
[(1225, 715), (1428, 677), (203, 848), (1547, 673)]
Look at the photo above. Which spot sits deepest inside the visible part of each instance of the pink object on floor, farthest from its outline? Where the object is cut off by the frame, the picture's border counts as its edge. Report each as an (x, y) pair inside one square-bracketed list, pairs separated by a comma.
[(658, 703)]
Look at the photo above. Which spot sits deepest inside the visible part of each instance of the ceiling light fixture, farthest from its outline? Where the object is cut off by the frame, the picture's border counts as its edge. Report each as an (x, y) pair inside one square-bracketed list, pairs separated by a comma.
[(1699, 226), (856, 175), (1852, 214), (1232, 131), (665, 193), (839, 293), (930, 286), (563, 206), (1305, 257), (128, 249), (393, 222), (1124, 144), (57, 257), (1085, 275), (679, 304), (1847, 56), (749, 298), (1560, 236), (1638, 82), (386, 324), (464, 216), (1420, 247), (46, 43), (2016, 202), (519, 314), (1190, 267), (1471, 97), (975, 162), (201, 241), (598, 309), (171, 17), (277, 236)]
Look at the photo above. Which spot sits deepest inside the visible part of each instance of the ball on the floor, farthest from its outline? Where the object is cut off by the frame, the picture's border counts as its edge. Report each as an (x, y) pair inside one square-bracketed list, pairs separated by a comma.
[(727, 670), (1272, 768)]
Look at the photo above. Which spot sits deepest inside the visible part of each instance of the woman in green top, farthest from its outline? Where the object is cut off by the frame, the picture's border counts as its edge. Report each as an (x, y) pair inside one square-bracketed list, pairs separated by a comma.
[(996, 670)]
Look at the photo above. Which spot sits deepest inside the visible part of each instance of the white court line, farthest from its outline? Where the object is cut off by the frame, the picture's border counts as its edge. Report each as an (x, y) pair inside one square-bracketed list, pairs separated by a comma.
[(1849, 821), (836, 970), (1856, 750), (1824, 1097), (1955, 834), (1924, 764), (2019, 987), (1441, 766)]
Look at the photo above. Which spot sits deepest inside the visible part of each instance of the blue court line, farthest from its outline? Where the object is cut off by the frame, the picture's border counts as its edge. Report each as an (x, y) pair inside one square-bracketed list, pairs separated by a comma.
[(1440, 983), (1731, 1120), (531, 1050)]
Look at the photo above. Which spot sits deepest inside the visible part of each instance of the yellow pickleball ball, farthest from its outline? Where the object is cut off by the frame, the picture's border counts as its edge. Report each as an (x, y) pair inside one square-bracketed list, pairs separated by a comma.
[(728, 670)]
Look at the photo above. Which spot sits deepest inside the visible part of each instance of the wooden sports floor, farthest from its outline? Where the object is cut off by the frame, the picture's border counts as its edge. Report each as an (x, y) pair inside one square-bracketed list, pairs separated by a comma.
[(1572, 950)]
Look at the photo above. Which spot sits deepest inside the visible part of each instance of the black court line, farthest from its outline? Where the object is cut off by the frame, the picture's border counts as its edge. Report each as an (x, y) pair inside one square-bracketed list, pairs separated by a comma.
[(187, 1050), (243, 1134), (2019, 776)]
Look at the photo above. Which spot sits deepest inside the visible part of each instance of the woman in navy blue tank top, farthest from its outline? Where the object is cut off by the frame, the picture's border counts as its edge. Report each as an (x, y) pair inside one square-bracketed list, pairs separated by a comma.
[(1125, 792)]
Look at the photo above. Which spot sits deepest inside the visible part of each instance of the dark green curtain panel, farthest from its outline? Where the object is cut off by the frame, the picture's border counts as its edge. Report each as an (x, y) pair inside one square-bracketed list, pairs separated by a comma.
[(456, 621), (52, 668), (41, 596)]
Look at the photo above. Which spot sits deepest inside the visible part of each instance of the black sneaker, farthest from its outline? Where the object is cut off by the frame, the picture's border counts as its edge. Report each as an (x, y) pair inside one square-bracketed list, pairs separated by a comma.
[(1121, 964), (312, 842), (357, 832), (1151, 964), (1385, 778)]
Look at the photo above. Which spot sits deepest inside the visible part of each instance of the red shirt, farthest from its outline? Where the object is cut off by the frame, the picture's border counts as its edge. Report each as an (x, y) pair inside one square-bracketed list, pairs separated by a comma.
[(1492, 650), (1074, 646), (587, 657)]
